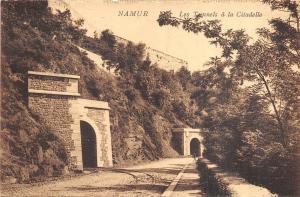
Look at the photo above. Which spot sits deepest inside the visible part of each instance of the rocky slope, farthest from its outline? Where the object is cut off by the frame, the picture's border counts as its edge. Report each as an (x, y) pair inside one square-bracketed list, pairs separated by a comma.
[(35, 39)]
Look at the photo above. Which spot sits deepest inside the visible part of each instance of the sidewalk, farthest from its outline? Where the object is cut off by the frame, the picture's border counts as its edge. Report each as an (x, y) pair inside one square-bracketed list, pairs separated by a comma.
[(189, 183)]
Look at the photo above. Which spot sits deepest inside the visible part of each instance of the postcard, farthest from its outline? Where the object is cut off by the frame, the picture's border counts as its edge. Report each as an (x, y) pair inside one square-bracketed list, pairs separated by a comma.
[(150, 98)]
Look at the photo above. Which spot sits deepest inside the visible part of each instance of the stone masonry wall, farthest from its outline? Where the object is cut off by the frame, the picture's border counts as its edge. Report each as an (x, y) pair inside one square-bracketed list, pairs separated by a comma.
[(100, 118), (54, 112), (54, 109), (55, 99), (183, 136), (48, 83), (52, 83)]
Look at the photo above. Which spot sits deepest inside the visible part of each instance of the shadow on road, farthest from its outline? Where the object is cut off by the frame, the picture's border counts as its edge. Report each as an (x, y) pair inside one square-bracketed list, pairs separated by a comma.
[(155, 188), (169, 170)]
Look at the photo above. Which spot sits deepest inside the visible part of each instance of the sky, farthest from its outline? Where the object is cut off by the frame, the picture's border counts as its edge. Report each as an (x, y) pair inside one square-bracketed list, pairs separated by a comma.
[(194, 48)]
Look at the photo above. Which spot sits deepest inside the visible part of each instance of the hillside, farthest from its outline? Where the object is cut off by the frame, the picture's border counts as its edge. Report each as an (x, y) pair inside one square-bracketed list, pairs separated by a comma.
[(163, 60), (245, 134), (143, 109)]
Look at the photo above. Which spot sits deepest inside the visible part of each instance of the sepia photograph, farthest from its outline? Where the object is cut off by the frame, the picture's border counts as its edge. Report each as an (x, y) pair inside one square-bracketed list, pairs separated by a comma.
[(154, 98)]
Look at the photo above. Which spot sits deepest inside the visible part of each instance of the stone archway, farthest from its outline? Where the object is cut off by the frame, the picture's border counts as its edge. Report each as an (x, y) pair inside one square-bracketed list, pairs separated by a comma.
[(195, 148), (186, 141), (89, 145), (56, 99)]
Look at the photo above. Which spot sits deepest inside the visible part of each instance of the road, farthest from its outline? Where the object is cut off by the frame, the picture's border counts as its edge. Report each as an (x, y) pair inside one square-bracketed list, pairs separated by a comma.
[(149, 179), (189, 183)]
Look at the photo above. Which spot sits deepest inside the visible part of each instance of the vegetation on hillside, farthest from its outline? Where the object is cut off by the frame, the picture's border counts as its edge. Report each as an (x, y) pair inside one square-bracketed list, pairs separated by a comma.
[(251, 97), (146, 102), (253, 128)]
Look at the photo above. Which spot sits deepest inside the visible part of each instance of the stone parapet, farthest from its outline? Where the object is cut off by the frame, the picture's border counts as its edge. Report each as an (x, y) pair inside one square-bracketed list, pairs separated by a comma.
[(221, 183), (53, 83), (53, 74)]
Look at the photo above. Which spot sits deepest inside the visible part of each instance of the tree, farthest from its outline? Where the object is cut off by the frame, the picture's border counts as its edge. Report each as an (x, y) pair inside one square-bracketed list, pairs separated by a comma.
[(253, 117), (184, 75), (108, 37), (261, 62)]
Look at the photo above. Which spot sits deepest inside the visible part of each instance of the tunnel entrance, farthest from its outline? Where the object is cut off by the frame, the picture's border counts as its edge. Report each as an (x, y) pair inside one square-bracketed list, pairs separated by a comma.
[(88, 144), (195, 147)]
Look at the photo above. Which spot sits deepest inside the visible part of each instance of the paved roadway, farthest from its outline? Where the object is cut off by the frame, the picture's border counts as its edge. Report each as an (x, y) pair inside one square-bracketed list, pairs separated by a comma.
[(150, 179)]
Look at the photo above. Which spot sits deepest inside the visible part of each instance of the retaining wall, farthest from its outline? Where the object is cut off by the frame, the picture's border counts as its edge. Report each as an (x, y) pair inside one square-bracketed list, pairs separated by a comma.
[(219, 182)]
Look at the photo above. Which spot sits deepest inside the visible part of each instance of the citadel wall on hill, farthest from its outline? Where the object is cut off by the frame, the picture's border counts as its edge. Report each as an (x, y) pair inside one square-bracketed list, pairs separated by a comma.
[(163, 60)]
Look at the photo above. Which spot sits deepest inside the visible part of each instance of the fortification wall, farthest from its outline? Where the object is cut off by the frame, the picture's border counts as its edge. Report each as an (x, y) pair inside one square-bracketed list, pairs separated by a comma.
[(163, 60)]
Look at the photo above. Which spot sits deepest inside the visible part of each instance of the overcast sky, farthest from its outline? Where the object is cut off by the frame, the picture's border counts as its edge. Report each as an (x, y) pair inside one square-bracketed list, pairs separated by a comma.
[(195, 49)]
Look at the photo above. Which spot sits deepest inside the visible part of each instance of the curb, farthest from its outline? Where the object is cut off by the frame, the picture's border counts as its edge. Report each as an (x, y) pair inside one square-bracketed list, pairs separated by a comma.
[(174, 183)]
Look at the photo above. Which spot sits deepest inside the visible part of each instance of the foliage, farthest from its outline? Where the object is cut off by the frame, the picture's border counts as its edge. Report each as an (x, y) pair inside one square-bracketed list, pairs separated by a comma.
[(33, 39), (184, 76), (108, 37), (165, 90), (141, 96), (26, 144), (250, 97)]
